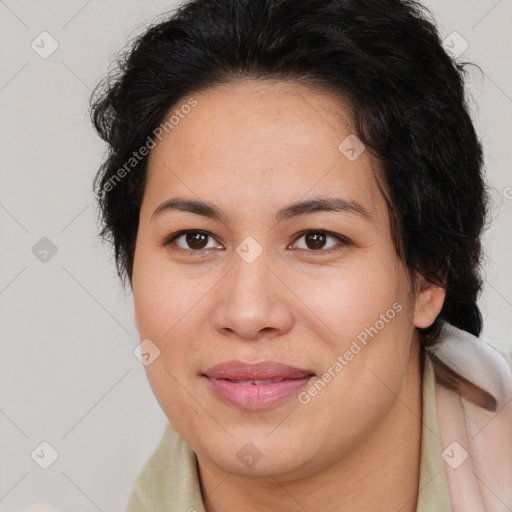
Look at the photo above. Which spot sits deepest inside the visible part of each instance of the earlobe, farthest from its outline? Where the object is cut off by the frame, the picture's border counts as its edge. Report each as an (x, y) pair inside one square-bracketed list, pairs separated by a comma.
[(428, 304)]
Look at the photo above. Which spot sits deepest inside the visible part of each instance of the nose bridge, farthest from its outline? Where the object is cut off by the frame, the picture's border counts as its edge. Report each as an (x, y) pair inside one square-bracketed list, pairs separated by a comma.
[(249, 282), (252, 299)]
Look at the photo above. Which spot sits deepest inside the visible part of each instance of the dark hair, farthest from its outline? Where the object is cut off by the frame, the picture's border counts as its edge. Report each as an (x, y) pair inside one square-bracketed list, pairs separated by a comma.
[(385, 56)]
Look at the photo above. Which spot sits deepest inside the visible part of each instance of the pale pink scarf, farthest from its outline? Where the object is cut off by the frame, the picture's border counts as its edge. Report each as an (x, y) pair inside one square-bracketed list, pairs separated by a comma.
[(483, 481)]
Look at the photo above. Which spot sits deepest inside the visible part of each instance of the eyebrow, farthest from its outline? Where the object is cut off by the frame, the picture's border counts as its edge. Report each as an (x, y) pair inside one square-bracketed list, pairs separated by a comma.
[(319, 204)]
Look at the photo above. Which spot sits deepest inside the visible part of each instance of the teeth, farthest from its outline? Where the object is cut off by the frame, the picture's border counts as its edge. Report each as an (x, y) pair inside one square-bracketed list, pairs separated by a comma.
[(264, 381), (259, 382)]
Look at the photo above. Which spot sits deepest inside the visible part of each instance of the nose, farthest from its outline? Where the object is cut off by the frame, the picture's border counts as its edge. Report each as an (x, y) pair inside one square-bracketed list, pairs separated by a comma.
[(252, 301)]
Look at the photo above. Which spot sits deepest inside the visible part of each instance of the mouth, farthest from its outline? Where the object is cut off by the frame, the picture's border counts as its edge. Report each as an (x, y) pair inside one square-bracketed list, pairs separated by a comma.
[(256, 386)]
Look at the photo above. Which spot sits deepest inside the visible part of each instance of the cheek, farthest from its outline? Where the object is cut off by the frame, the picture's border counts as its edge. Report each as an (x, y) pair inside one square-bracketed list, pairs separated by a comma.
[(348, 301), (165, 315), (367, 321), (169, 311), (161, 297), (364, 375)]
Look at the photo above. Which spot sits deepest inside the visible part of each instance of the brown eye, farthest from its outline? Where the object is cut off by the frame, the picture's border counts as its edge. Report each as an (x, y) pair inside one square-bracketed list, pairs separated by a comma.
[(316, 241), (195, 241)]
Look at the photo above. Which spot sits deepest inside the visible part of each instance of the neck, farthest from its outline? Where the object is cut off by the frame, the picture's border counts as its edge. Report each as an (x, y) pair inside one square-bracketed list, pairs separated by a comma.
[(380, 474)]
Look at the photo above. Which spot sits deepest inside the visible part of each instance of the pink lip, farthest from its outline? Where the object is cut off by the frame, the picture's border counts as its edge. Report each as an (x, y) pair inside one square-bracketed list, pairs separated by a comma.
[(256, 396)]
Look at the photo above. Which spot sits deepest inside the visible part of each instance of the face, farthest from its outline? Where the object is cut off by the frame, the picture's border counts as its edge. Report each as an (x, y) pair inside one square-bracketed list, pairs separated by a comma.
[(266, 275)]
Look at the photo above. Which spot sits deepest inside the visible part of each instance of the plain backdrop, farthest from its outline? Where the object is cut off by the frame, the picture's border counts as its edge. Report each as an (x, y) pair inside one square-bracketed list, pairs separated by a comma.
[(68, 375)]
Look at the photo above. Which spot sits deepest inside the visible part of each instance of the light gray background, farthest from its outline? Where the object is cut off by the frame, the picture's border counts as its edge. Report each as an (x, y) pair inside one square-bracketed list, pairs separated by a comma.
[(68, 375)]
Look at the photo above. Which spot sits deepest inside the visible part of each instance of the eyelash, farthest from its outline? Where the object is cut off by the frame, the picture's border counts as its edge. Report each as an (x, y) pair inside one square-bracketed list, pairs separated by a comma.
[(342, 240)]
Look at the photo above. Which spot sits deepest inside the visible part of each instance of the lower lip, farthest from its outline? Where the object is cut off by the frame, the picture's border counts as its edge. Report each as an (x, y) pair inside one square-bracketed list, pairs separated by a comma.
[(257, 396)]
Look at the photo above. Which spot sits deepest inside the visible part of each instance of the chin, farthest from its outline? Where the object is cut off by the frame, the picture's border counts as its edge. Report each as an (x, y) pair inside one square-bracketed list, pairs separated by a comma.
[(257, 455), (263, 463)]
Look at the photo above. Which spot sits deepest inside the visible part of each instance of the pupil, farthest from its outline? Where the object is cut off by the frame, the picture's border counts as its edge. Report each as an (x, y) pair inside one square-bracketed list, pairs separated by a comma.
[(317, 239), (196, 239)]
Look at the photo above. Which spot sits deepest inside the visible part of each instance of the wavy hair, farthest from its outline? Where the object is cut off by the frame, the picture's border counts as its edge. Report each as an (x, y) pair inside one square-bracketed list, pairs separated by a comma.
[(386, 57)]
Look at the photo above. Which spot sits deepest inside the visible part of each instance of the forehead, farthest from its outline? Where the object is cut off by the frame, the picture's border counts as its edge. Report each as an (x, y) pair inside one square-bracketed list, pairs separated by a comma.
[(271, 113), (262, 140)]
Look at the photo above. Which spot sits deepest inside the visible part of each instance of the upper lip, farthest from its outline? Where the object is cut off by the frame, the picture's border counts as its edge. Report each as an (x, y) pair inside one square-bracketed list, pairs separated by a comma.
[(239, 370)]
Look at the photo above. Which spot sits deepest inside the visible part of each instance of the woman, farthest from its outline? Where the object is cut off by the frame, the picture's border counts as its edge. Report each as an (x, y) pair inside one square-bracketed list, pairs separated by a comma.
[(294, 190)]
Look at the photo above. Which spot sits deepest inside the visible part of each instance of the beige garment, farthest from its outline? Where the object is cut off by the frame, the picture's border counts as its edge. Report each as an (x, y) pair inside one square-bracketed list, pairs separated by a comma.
[(434, 495), (169, 481)]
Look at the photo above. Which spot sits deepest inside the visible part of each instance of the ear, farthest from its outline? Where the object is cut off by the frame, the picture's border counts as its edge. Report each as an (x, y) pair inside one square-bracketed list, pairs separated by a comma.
[(428, 303)]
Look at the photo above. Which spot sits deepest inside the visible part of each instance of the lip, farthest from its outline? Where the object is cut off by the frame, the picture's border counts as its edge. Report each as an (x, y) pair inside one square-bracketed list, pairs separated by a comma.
[(224, 380)]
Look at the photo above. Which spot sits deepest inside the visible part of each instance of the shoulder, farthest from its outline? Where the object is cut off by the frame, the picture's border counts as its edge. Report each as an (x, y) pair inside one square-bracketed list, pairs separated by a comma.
[(169, 478), (477, 360), (476, 440)]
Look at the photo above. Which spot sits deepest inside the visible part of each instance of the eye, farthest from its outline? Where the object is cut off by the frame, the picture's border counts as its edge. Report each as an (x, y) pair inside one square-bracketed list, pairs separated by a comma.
[(191, 240), (315, 241)]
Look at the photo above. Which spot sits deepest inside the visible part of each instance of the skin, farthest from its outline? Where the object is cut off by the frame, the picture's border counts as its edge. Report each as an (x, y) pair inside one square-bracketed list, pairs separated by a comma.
[(250, 148)]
